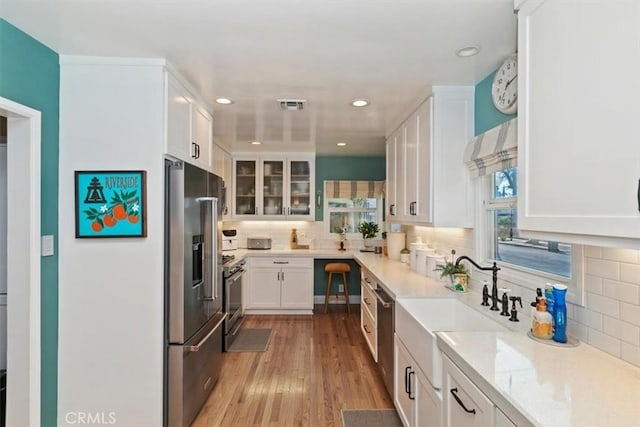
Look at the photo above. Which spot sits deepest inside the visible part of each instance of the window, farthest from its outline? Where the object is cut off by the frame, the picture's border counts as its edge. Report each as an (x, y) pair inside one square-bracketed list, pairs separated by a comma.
[(349, 203), (551, 258)]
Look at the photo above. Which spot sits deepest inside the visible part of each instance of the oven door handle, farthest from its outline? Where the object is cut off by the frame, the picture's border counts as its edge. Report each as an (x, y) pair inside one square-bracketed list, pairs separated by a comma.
[(235, 276)]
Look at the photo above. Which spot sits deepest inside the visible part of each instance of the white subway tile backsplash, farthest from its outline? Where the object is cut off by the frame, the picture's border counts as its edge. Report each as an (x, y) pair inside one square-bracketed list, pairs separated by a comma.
[(603, 268), (588, 318), (620, 291), (622, 330), (622, 255), (593, 284), (630, 313), (593, 251), (630, 353), (604, 342), (630, 273), (604, 305), (579, 331)]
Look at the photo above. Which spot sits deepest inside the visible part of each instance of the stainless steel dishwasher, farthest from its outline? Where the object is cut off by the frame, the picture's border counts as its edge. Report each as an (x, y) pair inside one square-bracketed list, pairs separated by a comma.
[(385, 337)]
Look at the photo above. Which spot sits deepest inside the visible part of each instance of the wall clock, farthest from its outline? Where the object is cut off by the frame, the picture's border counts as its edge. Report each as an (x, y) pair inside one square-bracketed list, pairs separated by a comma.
[(504, 89)]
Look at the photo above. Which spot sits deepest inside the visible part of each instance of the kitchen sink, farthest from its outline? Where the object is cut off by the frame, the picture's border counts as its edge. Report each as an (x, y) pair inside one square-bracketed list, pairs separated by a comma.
[(418, 320)]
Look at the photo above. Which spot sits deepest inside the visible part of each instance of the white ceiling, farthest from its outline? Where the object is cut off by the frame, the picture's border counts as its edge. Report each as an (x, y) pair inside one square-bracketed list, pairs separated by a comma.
[(328, 52)]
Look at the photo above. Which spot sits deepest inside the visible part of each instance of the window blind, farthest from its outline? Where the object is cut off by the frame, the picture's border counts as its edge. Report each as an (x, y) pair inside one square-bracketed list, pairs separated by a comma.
[(494, 150), (354, 189)]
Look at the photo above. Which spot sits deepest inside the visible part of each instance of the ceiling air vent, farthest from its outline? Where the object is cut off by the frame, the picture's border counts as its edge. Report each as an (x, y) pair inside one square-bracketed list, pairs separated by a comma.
[(292, 104)]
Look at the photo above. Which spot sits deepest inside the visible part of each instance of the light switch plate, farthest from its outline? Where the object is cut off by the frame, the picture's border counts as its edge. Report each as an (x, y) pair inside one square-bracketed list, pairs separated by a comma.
[(47, 245)]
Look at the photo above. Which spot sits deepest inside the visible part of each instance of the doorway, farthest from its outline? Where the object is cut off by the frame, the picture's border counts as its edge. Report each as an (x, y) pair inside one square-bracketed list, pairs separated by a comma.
[(22, 148)]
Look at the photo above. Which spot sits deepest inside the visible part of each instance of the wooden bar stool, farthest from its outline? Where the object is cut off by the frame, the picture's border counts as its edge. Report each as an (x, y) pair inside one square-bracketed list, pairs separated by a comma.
[(337, 268)]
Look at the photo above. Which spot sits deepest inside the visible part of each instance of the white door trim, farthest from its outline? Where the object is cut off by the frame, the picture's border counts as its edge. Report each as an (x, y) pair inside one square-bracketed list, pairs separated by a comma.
[(23, 263)]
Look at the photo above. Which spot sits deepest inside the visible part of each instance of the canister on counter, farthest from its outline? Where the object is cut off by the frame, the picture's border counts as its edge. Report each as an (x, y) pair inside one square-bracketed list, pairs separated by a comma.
[(413, 255), (421, 260)]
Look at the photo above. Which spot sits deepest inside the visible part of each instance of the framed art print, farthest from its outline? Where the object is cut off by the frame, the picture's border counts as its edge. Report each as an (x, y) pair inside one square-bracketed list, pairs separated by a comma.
[(110, 204)]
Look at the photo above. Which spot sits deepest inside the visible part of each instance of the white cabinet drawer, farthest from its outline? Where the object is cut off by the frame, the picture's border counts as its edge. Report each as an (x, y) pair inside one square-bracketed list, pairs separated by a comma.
[(368, 299), (282, 262), (368, 326), (464, 404)]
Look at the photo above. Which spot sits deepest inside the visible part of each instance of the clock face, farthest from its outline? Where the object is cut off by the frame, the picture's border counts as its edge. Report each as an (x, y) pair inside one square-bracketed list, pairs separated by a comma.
[(504, 90)]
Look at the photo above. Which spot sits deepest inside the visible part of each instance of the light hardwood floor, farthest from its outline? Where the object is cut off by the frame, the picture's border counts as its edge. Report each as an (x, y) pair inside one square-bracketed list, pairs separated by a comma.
[(314, 367)]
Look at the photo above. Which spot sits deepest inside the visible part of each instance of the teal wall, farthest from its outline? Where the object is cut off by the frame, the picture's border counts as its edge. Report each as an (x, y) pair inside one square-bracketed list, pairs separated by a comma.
[(30, 75), (320, 277), (486, 114), (347, 168)]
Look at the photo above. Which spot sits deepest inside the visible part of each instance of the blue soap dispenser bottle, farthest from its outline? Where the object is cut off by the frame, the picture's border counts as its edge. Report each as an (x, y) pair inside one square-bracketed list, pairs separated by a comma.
[(559, 313)]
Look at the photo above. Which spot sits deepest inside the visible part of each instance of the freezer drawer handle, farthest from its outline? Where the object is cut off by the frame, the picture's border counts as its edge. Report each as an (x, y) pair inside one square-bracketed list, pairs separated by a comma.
[(281, 262), (454, 393), (196, 347)]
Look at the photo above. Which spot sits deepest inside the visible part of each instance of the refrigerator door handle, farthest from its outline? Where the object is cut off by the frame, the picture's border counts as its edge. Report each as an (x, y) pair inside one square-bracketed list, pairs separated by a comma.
[(213, 274), (217, 274), (196, 347)]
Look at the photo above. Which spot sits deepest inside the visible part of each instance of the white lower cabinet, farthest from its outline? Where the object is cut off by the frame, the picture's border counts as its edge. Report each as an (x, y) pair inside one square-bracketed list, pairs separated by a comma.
[(463, 404), (279, 285), (417, 402)]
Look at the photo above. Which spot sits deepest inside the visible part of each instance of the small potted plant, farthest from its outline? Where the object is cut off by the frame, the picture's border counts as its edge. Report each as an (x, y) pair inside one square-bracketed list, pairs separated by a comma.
[(368, 231), (458, 274), (404, 255)]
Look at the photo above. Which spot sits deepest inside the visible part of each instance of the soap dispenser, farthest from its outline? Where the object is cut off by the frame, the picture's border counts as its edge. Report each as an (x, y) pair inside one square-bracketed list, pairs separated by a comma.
[(542, 322)]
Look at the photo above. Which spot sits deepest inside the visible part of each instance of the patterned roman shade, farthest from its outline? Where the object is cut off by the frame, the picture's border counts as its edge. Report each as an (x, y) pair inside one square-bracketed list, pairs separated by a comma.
[(354, 189), (494, 150)]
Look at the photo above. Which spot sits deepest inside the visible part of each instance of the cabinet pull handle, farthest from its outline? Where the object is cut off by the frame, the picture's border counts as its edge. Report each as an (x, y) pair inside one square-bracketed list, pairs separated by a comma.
[(392, 209), (410, 396), (194, 150), (406, 379), (639, 195), (454, 393), (281, 262)]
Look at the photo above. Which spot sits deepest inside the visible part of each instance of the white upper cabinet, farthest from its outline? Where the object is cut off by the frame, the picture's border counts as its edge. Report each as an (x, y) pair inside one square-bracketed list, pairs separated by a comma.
[(274, 187), (578, 146), (189, 126), (428, 182), (395, 175)]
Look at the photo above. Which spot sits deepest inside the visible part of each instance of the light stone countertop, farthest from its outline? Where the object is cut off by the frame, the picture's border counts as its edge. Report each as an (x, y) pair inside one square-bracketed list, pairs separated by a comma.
[(543, 385), (532, 383)]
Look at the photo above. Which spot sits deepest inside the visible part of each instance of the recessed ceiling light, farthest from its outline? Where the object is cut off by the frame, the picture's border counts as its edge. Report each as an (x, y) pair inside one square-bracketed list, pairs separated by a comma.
[(341, 144), (467, 51), (359, 103), (224, 101), (256, 143)]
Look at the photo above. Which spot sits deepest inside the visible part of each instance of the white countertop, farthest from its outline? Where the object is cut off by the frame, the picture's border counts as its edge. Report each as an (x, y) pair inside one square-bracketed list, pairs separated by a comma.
[(550, 386)]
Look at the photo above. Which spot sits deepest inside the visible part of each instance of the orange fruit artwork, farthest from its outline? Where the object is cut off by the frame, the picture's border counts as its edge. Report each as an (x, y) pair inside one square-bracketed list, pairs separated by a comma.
[(96, 226), (133, 219), (109, 221), (119, 212)]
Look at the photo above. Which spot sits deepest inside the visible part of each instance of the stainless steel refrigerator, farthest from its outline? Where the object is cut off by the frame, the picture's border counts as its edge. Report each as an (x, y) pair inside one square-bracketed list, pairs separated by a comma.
[(193, 289)]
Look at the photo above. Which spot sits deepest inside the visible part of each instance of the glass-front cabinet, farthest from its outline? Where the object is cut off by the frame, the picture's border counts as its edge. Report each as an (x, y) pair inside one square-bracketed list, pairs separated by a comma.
[(273, 174), (300, 189), (274, 187), (245, 178)]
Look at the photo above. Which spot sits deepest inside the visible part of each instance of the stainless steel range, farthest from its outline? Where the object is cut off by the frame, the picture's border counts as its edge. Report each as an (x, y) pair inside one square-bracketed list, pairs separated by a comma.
[(232, 272)]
